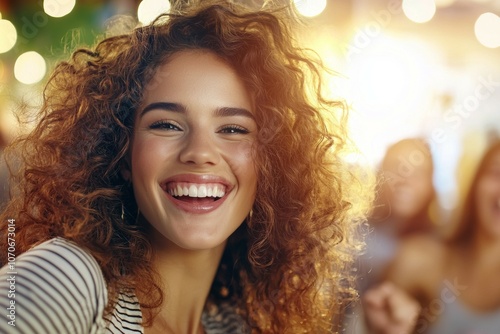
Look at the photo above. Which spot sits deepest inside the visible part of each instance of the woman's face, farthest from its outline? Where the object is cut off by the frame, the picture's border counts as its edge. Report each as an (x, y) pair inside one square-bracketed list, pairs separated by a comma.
[(408, 186), (487, 197), (192, 169)]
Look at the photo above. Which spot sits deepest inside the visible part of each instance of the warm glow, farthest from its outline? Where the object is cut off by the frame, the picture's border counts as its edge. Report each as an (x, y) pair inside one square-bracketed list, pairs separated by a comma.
[(444, 3), (150, 9), (487, 30), (2, 71), (30, 68), (391, 84), (310, 8), (8, 35), (419, 11), (58, 8)]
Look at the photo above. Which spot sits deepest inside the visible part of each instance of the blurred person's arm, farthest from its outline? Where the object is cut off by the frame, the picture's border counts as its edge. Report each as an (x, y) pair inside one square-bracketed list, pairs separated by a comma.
[(393, 307), (390, 310)]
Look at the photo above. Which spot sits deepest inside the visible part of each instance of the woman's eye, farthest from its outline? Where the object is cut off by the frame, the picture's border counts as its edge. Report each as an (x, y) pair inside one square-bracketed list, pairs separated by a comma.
[(233, 129), (165, 125)]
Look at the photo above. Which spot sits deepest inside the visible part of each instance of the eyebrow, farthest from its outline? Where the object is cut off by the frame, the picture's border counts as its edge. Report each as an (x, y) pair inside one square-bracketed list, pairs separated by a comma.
[(168, 106), (180, 108), (229, 111)]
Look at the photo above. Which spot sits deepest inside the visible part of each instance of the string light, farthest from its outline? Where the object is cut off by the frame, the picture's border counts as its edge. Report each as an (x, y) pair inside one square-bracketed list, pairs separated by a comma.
[(8, 35), (419, 11), (149, 10), (30, 68), (487, 30), (58, 8), (310, 8)]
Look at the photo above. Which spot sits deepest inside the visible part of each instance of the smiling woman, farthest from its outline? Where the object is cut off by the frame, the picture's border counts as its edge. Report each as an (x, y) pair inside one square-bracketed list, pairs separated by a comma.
[(202, 139), (184, 178)]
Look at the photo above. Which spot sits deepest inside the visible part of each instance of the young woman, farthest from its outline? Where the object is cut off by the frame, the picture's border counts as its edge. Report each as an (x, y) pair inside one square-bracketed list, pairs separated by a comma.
[(181, 179), (401, 209), (454, 281)]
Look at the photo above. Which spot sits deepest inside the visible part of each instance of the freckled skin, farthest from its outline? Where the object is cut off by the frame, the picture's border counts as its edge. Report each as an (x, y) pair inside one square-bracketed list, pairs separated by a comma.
[(196, 141)]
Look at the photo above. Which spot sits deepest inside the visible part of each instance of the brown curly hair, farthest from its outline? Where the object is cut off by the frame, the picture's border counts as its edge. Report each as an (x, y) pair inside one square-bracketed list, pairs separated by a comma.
[(284, 266), (462, 231)]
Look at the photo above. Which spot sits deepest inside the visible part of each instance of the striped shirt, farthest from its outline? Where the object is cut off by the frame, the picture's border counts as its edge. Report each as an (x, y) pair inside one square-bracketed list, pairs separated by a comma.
[(57, 287)]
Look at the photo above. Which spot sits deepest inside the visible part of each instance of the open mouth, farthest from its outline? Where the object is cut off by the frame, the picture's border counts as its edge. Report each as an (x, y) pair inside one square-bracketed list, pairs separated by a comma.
[(196, 193)]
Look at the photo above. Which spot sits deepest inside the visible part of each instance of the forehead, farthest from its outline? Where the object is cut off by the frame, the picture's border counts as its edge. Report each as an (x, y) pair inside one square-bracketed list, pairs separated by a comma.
[(195, 64), (198, 73), (412, 155)]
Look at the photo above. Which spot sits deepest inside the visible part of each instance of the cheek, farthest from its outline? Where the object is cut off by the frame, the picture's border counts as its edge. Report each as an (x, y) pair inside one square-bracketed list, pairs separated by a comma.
[(485, 188), (482, 196), (242, 162), (139, 160), (148, 153), (424, 189)]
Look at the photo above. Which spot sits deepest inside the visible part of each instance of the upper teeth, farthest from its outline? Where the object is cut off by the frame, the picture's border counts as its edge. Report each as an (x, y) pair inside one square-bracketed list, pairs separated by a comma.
[(197, 190)]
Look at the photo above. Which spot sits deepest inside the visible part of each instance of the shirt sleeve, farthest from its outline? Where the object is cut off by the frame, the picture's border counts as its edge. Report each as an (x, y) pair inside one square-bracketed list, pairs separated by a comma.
[(56, 287)]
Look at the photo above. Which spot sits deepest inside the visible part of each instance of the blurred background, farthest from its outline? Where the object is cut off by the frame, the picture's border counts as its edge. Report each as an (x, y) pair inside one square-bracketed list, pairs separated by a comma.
[(411, 68)]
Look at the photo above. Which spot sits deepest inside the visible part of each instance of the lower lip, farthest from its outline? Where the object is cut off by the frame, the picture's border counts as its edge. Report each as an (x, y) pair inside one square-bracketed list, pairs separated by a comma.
[(196, 208)]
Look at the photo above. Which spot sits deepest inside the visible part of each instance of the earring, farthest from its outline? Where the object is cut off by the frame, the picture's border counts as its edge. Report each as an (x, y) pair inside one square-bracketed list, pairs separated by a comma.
[(137, 216), (249, 218), (123, 213)]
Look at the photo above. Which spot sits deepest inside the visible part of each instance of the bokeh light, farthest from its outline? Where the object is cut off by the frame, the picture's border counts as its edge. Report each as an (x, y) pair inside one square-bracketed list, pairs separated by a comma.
[(390, 88), (150, 9), (487, 30), (30, 68), (310, 8), (58, 8), (419, 11), (8, 35)]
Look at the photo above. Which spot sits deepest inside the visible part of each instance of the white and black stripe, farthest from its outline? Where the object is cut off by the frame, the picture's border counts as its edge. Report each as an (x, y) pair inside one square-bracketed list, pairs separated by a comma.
[(59, 288), (126, 317)]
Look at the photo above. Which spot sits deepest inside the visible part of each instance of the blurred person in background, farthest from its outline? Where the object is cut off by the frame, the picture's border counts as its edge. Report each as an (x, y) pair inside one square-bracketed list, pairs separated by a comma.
[(401, 210), (402, 206), (452, 282), (183, 179)]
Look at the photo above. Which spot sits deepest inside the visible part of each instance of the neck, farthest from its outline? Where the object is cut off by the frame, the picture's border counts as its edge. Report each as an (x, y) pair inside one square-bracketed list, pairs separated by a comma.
[(186, 277), (416, 224), (485, 250)]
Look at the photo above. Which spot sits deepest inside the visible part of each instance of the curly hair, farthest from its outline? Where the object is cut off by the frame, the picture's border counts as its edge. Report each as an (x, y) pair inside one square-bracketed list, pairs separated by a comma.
[(285, 265)]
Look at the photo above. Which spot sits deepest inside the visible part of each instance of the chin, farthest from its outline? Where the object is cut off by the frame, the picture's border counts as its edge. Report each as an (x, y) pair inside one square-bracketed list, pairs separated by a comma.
[(200, 243)]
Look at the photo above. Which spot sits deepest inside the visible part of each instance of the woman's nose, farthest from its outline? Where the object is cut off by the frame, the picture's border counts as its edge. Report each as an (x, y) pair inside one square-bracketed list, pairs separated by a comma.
[(199, 148)]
